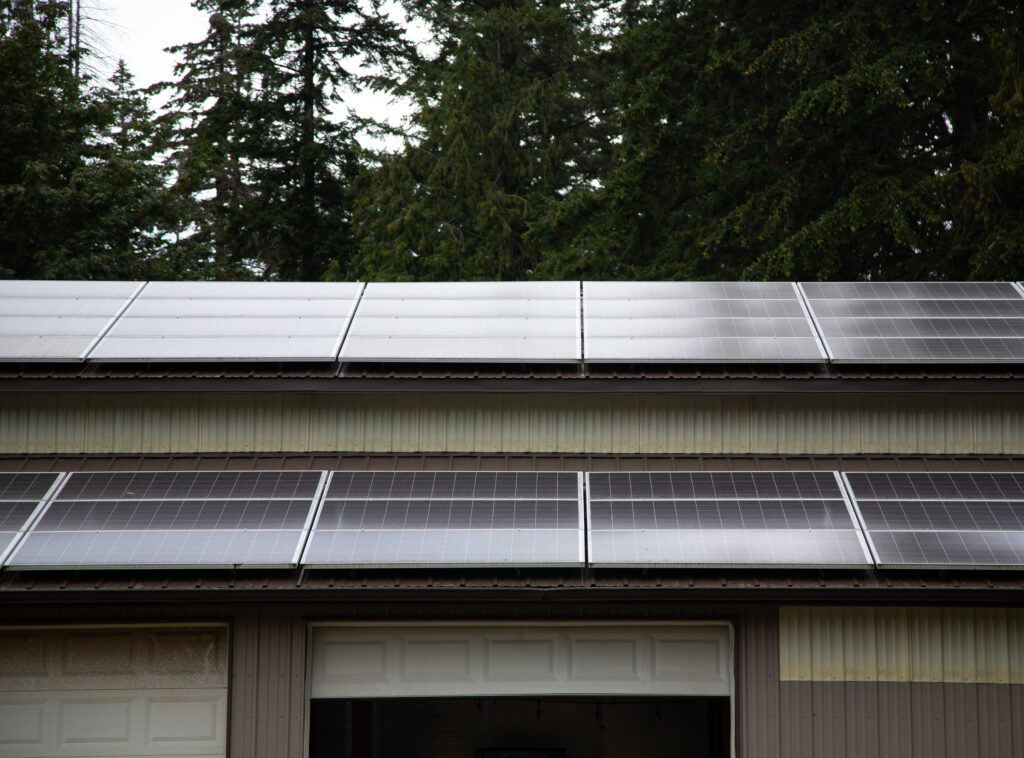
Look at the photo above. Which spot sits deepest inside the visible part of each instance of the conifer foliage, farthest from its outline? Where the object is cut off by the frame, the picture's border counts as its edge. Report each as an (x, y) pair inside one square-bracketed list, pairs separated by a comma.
[(652, 139)]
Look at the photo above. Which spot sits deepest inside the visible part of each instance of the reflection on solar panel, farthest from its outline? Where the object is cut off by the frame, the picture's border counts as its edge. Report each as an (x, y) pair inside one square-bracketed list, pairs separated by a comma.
[(942, 520), (232, 321), (764, 518), (449, 519), (919, 322), (492, 322), (57, 321), (174, 518), (20, 496), (737, 322)]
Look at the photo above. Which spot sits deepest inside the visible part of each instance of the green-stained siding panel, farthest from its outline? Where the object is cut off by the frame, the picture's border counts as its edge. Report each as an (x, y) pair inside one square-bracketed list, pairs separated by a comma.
[(936, 645), (495, 423)]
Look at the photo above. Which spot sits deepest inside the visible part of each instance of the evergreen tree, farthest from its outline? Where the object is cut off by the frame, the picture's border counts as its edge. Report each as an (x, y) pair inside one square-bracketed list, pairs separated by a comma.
[(508, 122), (119, 214), (210, 115), (43, 128), (811, 140), (305, 153)]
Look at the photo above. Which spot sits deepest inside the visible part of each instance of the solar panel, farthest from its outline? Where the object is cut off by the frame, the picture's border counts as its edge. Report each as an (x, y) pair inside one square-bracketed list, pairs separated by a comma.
[(489, 322), (21, 496), (49, 321), (722, 518), (232, 321), (919, 322), (204, 519), (380, 519), (942, 520), (695, 322)]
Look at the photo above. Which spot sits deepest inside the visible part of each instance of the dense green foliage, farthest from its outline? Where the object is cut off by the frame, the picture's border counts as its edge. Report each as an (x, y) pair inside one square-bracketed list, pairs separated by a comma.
[(653, 139)]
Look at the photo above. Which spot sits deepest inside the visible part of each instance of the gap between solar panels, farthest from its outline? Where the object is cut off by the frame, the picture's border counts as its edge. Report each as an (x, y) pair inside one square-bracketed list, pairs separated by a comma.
[(381, 519)]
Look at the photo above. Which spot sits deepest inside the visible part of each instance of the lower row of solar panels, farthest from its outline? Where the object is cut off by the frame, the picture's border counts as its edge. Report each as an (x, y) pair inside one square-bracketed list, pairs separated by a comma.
[(377, 519)]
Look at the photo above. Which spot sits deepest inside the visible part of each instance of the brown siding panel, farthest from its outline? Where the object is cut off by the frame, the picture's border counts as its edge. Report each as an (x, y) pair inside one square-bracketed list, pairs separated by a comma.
[(757, 707), (901, 720), (268, 686)]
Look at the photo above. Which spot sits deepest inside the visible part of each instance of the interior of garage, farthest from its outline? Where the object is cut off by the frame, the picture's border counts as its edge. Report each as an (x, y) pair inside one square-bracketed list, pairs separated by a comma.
[(691, 727)]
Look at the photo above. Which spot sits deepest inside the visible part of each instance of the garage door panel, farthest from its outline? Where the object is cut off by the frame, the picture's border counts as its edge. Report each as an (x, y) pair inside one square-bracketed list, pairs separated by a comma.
[(63, 659), (360, 662), (113, 693), (114, 724), (21, 724)]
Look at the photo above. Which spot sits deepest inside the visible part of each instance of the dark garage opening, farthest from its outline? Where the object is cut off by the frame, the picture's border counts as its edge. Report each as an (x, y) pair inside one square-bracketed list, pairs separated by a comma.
[(690, 727)]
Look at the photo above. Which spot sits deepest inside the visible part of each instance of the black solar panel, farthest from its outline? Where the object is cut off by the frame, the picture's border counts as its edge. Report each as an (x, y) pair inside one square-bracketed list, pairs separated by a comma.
[(942, 519), (175, 518), (919, 322), (724, 518), (449, 518), (20, 495)]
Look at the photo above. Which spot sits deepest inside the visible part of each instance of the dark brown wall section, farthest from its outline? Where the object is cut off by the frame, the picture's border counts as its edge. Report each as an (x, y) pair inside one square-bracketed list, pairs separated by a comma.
[(902, 720)]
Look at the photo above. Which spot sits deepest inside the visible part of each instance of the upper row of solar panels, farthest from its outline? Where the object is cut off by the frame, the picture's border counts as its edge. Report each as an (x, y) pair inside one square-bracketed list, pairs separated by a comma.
[(375, 519), (513, 322)]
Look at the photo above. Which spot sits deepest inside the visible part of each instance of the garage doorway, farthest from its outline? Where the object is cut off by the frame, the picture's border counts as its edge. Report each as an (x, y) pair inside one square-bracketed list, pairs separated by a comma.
[(521, 691), (520, 728)]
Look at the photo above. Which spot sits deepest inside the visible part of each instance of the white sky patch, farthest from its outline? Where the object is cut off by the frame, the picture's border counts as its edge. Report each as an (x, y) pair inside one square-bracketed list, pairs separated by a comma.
[(139, 31)]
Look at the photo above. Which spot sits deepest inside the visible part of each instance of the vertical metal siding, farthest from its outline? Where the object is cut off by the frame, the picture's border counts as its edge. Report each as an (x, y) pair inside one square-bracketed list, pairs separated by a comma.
[(597, 424), (757, 702), (895, 682), (268, 698), (950, 645)]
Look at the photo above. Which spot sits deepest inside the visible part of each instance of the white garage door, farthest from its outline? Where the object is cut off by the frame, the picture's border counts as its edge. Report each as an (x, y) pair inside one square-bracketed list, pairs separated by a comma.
[(483, 661), (113, 692)]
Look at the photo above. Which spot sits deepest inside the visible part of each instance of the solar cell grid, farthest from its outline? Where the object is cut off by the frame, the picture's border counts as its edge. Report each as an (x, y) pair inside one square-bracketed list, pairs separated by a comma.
[(79, 515), (779, 518), (144, 485), (173, 518), (631, 322), (527, 485), (26, 486), (232, 321), (448, 518), (53, 321), (938, 520), (919, 322), (672, 485), (13, 516), (489, 322), (21, 494)]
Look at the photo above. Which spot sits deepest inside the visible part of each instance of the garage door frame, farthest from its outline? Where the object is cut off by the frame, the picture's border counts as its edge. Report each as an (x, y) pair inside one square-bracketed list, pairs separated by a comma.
[(426, 628)]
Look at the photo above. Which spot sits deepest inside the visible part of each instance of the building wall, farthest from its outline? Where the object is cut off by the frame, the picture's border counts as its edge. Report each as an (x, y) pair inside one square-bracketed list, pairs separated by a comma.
[(902, 682), (809, 424), (892, 682)]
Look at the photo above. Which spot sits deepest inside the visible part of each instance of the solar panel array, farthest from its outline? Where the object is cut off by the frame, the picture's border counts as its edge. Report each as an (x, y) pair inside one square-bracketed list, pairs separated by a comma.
[(513, 322), (180, 518), (935, 520), (57, 321), (232, 321), (504, 322), (21, 494), (449, 519), (919, 322), (726, 518), (377, 519), (697, 322)]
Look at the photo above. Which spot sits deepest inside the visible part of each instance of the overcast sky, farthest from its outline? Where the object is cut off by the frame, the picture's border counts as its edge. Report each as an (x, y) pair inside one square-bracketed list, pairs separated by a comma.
[(139, 30)]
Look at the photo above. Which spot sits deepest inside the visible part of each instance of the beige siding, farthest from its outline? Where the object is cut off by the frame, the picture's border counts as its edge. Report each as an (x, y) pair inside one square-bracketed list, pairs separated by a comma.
[(502, 423), (948, 645)]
